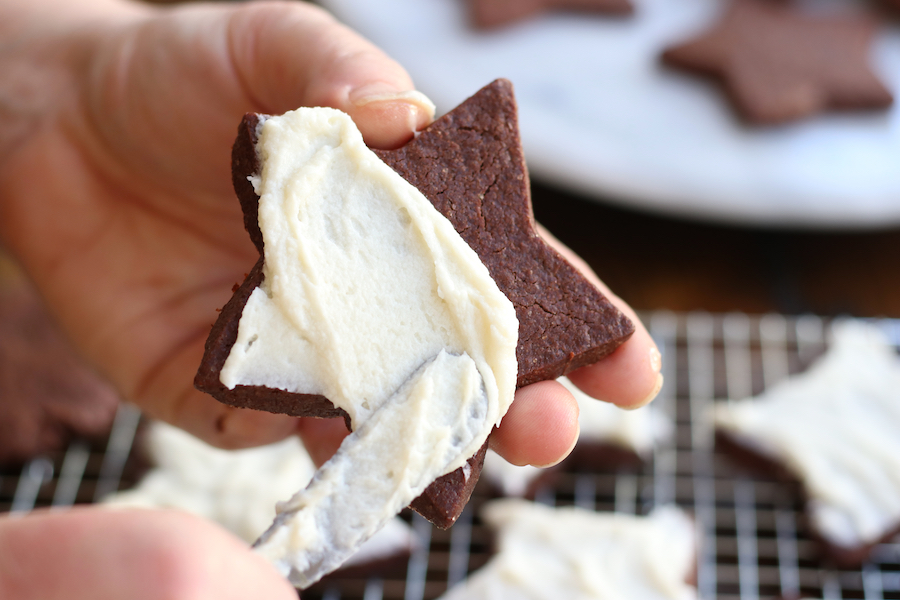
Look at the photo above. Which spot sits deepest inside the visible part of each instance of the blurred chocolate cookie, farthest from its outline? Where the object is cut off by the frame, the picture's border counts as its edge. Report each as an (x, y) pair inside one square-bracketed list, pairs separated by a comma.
[(47, 394), (491, 14), (778, 64)]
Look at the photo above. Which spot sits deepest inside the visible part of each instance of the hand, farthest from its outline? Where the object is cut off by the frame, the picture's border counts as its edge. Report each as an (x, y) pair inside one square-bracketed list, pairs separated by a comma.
[(116, 197), (110, 554), (116, 193)]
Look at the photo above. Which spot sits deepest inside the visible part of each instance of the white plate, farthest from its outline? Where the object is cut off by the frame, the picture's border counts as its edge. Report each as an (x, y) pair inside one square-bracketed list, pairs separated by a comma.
[(600, 116)]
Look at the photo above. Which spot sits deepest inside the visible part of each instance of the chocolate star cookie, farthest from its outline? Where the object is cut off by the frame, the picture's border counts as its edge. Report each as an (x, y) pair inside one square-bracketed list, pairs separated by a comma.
[(490, 14), (470, 165), (778, 65)]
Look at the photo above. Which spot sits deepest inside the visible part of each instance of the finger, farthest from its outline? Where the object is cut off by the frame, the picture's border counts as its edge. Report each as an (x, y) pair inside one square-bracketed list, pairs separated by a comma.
[(540, 428), (104, 554), (169, 395), (629, 377), (295, 54)]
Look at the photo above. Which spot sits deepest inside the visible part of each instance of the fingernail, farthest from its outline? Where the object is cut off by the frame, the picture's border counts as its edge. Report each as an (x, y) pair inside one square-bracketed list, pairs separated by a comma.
[(377, 92), (653, 394), (567, 453)]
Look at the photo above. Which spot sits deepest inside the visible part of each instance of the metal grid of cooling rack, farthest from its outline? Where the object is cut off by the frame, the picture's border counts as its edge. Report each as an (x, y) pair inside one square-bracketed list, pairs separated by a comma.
[(754, 542), (86, 472)]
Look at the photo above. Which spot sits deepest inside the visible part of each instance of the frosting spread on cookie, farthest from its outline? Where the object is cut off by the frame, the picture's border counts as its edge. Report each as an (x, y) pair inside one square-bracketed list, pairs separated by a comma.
[(373, 300), (837, 428), (549, 553)]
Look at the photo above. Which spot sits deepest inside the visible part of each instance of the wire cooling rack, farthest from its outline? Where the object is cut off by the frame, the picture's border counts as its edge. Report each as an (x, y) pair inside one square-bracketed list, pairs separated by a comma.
[(754, 542)]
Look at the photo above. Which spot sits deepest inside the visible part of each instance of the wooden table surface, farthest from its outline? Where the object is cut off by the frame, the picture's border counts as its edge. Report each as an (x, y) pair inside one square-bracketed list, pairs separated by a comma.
[(653, 261)]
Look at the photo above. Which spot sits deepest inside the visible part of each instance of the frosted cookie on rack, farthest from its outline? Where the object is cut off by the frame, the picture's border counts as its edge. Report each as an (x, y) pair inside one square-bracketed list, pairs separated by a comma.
[(546, 553), (239, 490), (609, 437), (836, 429)]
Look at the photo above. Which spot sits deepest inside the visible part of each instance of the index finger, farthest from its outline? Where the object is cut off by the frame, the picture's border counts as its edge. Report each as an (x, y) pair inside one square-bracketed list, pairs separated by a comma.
[(296, 54)]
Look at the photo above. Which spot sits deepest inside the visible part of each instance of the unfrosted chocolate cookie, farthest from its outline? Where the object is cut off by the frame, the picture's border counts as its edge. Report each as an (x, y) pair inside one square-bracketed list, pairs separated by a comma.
[(470, 165), (778, 64), (48, 393), (490, 14)]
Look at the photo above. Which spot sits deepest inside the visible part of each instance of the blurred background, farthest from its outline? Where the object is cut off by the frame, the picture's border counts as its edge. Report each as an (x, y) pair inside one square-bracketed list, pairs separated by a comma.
[(651, 176), (680, 207)]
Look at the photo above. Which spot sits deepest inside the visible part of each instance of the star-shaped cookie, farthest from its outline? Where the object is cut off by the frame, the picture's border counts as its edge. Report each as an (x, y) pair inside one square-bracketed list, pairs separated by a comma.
[(491, 14), (239, 489), (779, 65), (835, 429), (545, 552), (470, 165)]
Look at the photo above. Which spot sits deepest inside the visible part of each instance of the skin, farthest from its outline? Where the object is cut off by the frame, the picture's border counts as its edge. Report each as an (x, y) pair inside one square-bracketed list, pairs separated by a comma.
[(134, 554), (116, 121)]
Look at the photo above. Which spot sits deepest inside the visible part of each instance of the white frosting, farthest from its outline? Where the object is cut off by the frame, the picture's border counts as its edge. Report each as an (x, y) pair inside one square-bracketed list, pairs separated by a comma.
[(601, 422), (373, 300), (837, 427), (364, 279), (549, 553), (237, 489)]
